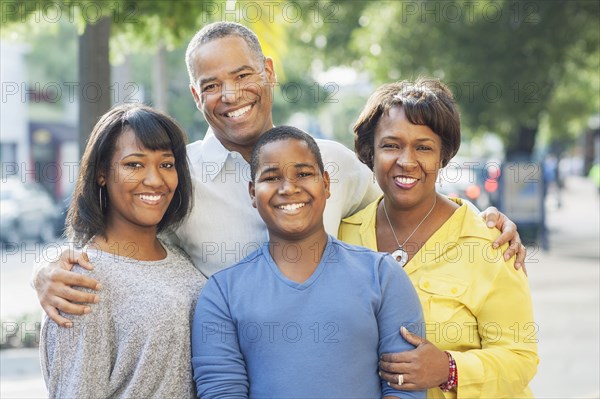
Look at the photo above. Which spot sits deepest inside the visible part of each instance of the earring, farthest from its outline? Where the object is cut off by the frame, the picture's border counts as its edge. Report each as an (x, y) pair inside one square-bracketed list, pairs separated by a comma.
[(100, 198), (440, 178), (374, 178)]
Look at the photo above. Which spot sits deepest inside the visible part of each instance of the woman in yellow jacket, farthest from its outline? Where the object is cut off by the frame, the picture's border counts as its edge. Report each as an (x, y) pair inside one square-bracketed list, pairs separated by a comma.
[(481, 337)]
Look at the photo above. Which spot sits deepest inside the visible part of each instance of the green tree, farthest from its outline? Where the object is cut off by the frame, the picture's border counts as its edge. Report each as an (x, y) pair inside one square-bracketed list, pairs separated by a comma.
[(509, 63), (97, 21), (111, 29)]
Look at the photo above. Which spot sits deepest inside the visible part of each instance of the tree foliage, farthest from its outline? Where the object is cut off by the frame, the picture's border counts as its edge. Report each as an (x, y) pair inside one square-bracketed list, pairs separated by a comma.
[(508, 62), (136, 28), (516, 67)]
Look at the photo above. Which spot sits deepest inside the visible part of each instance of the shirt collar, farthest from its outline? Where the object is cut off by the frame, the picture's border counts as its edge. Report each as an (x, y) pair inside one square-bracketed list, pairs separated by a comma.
[(471, 225), (365, 219), (214, 152)]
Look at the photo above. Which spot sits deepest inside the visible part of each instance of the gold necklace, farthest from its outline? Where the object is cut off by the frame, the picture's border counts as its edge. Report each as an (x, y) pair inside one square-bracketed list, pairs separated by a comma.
[(400, 254)]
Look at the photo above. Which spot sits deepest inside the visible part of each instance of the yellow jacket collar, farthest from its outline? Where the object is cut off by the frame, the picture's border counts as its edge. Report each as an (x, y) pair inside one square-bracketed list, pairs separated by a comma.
[(473, 225)]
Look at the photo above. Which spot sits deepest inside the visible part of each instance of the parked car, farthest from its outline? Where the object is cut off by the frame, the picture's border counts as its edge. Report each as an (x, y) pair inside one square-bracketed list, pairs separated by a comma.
[(27, 211), (475, 181)]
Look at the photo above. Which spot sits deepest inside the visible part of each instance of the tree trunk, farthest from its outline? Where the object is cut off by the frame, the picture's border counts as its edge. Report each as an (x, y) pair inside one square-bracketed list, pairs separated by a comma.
[(94, 77), (160, 88), (522, 144)]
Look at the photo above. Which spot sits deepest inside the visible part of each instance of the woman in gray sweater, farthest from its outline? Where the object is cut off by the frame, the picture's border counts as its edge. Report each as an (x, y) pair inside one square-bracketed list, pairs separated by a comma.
[(134, 182)]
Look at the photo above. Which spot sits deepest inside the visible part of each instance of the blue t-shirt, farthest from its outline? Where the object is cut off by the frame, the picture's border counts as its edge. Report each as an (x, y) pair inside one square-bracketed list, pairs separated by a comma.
[(256, 333)]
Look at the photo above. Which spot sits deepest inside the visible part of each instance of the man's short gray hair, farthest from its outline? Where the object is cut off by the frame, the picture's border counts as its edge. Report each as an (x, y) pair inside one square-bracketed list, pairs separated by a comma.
[(219, 30)]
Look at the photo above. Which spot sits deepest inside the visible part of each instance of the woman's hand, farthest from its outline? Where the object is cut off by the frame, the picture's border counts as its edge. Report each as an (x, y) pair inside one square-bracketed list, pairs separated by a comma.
[(53, 283), (494, 218), (421, 368)]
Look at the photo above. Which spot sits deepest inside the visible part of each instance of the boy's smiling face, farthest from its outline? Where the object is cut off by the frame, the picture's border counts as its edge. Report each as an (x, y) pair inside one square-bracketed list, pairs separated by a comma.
[(289, 190)]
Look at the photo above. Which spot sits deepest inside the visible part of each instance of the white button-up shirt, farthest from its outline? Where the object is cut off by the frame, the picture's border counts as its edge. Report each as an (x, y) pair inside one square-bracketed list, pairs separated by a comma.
[(224, 227)]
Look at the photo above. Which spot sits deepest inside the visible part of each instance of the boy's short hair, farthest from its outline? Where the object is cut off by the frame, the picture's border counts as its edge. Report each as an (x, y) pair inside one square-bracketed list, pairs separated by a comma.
[(425, 102), (280, 133)]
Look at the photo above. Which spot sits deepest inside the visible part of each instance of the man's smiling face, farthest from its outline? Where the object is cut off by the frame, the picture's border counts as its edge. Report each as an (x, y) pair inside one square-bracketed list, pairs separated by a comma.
[(233, 89)]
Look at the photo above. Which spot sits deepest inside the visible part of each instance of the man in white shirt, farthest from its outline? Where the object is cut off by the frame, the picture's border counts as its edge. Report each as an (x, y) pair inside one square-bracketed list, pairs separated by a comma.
[(232, 84)]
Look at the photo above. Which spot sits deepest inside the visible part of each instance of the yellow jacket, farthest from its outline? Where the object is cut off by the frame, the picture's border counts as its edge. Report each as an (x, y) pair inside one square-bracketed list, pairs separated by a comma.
[(476, 305)]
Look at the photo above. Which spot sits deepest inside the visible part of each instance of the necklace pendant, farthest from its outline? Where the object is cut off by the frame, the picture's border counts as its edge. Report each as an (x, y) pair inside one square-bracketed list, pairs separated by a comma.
[(401, 256)]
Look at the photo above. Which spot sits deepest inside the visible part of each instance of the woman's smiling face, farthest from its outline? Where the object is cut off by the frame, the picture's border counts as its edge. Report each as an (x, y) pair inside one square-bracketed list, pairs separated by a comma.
[(140, 183), (406, 159)]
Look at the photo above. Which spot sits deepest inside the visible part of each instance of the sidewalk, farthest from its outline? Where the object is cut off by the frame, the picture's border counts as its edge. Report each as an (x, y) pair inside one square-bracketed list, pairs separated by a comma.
[(20, 374), (565, 286)]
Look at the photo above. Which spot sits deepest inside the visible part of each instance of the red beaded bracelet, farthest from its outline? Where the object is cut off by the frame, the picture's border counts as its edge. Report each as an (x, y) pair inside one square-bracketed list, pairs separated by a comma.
[(452, 375)]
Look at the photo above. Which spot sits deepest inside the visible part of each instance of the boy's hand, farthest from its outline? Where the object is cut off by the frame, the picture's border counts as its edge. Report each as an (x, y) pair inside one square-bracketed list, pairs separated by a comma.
[(53, 283), (494, 218)]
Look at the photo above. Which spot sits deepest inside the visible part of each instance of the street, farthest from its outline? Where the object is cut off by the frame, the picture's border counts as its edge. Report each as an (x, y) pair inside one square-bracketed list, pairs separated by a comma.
[(565, 286)]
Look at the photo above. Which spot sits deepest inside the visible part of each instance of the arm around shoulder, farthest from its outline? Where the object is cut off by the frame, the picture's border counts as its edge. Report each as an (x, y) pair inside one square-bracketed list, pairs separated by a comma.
[(54, 282)]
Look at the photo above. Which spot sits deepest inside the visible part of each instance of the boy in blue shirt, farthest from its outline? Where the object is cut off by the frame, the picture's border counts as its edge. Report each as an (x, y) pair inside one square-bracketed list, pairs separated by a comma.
[(304, 316)]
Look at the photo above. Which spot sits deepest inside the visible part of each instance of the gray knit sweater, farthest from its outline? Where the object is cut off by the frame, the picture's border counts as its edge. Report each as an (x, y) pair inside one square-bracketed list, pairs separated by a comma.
[(136, 341)]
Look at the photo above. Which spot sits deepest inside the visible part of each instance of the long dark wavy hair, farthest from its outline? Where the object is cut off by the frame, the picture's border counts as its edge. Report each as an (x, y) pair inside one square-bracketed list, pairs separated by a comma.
[(155, 131)]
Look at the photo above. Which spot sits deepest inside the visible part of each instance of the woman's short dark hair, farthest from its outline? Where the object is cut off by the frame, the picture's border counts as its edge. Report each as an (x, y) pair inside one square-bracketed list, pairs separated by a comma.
[(153, 130), (280, 133), (425, 102)]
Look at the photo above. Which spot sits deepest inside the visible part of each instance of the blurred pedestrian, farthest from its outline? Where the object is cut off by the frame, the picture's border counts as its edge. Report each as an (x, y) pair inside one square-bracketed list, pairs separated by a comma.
[(594, 175), (550, 172)]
